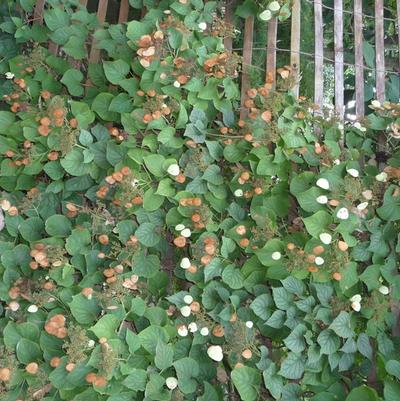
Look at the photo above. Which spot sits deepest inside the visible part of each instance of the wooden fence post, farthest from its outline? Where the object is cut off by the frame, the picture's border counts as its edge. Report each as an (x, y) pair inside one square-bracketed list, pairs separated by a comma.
[(271, 52), (359, 57), (247, 57), (380, 50), (94, 55), (398, 24), (295, 45), (339, 58), (123, 11), (229, 22), (319, 56), (38, 13)]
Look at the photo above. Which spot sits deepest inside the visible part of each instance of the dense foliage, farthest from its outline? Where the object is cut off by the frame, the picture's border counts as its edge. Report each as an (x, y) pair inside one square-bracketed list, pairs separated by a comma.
[(156, 247)]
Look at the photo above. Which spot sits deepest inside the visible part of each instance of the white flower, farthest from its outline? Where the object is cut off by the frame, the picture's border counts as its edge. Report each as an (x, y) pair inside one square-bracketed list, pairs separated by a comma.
[(182, 331), (179, 227), (167, 12), (322, 199), (249, 324), (266, 15), (319, 261), (356, 298), (325, 238), (14, 306), (177, 84), (215, 353), (342, 214), (173, 169), (188, 299), (134, 182), (353, 172), (340, 126), (336, 162), (323, 183), (186, 232), (91, 343), (238, 193), (381, 177), (362, 206), (192, 327), (185, 263), (276, 255), (384, 290), (368, 195), (356, 306), (171, 382), (202, 26), (33, 309), (376, 103), (274, 6), (186, 311), (9, 75), (204, 331)]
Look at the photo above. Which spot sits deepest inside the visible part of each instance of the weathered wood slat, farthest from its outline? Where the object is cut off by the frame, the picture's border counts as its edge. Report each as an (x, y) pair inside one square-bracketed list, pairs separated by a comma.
[(94, 55), (295, 45), (271, 51), (123, 11), (229, 22), (359, 57), (38, 13), (398, 24), (339, 58), (380, 51), (83, 2), (319, 55), (247, 58)]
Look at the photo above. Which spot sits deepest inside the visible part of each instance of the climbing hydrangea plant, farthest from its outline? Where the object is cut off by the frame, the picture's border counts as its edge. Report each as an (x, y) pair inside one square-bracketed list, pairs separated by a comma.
[(155, 246)]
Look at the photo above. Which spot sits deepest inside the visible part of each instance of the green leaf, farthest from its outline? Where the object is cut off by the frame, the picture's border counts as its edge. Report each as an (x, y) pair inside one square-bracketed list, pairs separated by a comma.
[(72, 80), (58, 226), (154, 163), (148, 234), (84, 310), (82, 113), (292, 367), (6, 119), (393, 368), (273, 382), (136, 380), (295, 341), (136, 29), (101, 105), (74, 164), (28, 351), (116, 71), (151, 336), (342, 325), (328, 341), (145, 266), (32, 229), (106, 326), (362, 393), (391, 391), (56, 18), (247, 382), (187, 369), (233, 277), (164, 356), (364, 346), (317, 223), (78, 241)]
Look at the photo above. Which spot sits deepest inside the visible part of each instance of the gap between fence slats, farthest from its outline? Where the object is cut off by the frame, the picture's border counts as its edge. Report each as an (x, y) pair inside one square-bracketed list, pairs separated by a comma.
[(339, 77), (295, 45), (38, 13), (123, 11), (271, 52), (229, 22), (101, 16), (398, 25), (319, 55), (379, 51), (359, 57), (247, 58)]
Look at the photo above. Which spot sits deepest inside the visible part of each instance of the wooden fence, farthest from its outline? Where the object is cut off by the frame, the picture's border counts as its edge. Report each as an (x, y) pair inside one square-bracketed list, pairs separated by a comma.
[(272, 49)]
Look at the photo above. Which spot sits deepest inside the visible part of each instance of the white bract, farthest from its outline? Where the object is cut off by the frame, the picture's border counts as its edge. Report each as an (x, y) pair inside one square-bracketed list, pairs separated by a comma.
[(322, 200), (325, 238), (266, 15), (186, 232), (188, 299), (356, 306), (362, 206), (249, 324), (322, 183), (9, 75), (202, 26), (381, 177), (356, 298), (186, 311), (376, 103), (336, 162), (185, 263), (91, 343), (192, 327), (177, 84), (204, 331), (171, 382), (342, 214), (353, 172), (215, 353), (319, 261), (183, 331), (173, 169), (238, 193), (274, 6), (14, 306), (384, 290), (276, 255), (33, 309), (179, 227)]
